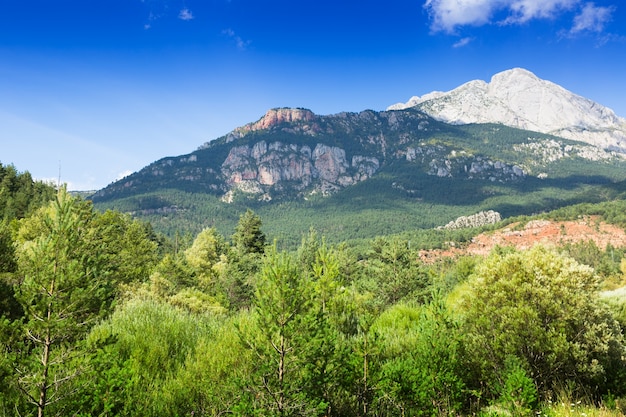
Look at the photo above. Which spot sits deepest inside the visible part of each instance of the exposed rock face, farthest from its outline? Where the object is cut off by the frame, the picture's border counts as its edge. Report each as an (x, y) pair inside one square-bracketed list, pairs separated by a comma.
[(300, 120), (274, 117), (463, 165), (520, 99), (479, 219), (255, 168)]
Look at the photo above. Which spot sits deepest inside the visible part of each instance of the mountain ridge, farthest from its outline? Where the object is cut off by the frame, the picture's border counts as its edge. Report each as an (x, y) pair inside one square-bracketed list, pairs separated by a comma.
[(518, 98)]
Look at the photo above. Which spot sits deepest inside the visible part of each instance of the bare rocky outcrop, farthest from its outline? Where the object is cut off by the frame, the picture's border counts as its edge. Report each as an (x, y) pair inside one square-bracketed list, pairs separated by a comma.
[(274, 117), (298, 120), (255, 168), (479, 219), (461, 164)]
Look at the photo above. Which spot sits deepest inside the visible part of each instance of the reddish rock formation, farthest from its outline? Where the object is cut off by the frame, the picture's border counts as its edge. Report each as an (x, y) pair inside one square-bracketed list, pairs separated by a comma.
[(546, 232), (275, 117)]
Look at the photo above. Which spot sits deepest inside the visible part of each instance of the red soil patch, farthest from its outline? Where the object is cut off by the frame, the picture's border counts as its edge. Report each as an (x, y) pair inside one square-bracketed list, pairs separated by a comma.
[(554, 233)]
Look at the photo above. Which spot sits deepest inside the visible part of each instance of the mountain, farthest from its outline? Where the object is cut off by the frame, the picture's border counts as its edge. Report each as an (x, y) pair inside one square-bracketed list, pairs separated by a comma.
[(518, 98), (359, 175)]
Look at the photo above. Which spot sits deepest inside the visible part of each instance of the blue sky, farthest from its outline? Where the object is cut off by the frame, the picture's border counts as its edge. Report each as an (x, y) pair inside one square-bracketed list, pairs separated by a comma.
[(101, 88)]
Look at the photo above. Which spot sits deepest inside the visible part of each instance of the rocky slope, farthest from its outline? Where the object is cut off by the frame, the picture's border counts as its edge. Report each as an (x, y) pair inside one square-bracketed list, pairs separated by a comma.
[(254, 168), (544, 232), (520, 99)]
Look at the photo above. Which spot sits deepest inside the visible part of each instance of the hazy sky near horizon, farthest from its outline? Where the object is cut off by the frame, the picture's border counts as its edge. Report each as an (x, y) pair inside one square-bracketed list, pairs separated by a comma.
[(102, 88)]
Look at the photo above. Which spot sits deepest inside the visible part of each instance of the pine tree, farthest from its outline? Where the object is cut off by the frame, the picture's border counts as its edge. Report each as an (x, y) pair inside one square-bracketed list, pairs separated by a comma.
[(283, 299), (248, 236), (60, 294)]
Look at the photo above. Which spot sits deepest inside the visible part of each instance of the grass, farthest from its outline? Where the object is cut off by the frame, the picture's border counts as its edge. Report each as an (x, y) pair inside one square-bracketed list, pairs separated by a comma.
[(565, 404), (577, 409)]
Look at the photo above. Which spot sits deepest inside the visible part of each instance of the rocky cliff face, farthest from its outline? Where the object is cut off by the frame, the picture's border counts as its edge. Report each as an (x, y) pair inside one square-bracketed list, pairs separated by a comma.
[(479, 219), (520, 99), (255, 169), (299, 121), (460, 164)]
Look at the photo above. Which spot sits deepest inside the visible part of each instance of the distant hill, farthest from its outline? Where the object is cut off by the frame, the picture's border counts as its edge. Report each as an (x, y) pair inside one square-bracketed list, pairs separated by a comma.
[(358, 175)]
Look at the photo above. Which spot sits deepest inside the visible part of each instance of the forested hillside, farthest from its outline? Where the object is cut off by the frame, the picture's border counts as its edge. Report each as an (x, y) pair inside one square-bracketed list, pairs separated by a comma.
[(361, 175), (100, 316)]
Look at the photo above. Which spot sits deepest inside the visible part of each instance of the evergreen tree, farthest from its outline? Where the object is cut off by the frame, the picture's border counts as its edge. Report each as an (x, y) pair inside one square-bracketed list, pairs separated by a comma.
[(60, 291), (19, 194), (283, 298), (248, 236)]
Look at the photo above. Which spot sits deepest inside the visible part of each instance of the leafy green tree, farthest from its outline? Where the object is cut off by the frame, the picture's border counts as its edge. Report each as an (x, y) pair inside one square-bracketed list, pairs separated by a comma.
[(343, 349), (190, 279), (308, 250), (394, 273), (206, 257), (127, 247), (9, 307), (517, 393), (325, 352), (19, 194), (453, 272), (11, 313), (364, 360), (177, 283), (543, 308), (237, 279)]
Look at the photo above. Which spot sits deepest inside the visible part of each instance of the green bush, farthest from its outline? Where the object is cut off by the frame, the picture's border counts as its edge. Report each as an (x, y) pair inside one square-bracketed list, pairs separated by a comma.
[(543, 308)]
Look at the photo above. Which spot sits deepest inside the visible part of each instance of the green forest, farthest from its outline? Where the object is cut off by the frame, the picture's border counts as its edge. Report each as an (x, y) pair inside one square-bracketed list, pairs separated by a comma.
[(100, 315)]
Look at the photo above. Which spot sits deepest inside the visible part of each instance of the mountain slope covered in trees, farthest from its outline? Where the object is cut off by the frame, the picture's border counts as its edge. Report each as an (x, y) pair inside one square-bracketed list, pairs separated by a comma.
[(358, 175)]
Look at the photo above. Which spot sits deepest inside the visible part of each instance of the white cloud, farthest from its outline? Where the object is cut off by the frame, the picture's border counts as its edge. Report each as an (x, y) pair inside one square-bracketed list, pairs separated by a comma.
[(123, 174), (525, 10), (592, 18), (185, 14), (448, 15), (462, 42), (241, 44)]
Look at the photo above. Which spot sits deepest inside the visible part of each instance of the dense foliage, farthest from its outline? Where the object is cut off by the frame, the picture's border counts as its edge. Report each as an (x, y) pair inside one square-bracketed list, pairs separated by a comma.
[(20, 194), (365, 210), (99, 316), (326, 332)]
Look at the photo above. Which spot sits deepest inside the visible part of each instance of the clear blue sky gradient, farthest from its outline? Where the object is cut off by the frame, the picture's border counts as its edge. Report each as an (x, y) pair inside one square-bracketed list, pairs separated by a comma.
[(104, 87)]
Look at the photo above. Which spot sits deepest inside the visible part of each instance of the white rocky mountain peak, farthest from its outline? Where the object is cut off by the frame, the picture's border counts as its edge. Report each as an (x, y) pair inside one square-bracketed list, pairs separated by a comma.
[(519, 98)]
